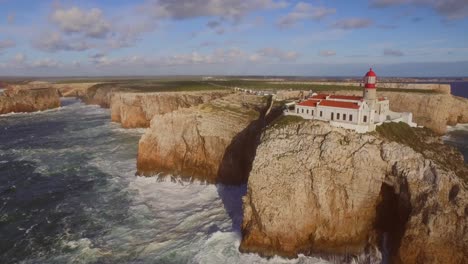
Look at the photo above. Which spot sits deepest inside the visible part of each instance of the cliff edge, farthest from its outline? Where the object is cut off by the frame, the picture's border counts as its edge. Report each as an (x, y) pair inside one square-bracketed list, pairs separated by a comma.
[(137, 109), (212, 142), (28, 100), (314, 188)]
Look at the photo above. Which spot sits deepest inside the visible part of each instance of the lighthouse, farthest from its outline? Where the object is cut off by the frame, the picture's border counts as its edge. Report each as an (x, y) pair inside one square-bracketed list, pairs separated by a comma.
[(370, 93)]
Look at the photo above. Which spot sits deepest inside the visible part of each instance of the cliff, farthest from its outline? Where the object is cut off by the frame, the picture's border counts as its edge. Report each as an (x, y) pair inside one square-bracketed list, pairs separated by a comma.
[(65, 89), (28, 100), (432, 110), (137, 109), (213, 142), (318, 189)]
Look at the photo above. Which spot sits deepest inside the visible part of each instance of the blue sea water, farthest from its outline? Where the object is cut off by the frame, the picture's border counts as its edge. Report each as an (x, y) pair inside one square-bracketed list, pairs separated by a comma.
[(458, 135), (69, 194)]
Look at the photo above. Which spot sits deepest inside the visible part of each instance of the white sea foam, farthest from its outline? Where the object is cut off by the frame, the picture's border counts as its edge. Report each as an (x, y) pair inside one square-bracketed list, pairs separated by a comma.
[(160, 220)]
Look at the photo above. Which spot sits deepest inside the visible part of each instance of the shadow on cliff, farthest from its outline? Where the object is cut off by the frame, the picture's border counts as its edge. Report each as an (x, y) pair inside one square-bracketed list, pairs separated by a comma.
[(235, 167)]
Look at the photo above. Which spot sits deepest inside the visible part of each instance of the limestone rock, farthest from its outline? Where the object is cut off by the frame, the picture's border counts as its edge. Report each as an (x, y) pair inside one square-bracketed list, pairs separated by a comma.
[(213, 142), (28, 100), (318, 189), (137, 109)]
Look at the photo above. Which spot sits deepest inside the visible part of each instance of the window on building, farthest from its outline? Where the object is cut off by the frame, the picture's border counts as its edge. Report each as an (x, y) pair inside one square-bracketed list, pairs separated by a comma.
[(350, 117), (344, 117), (365, 119), (297, 110), (302, 110), (338, 116), (307, 111), (320, 113), (312, 112), (332, 116)]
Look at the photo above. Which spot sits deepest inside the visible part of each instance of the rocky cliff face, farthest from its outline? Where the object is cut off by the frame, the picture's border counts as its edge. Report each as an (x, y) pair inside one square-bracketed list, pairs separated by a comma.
[(213, 142), (318, 189), (431, 110), (65, 89), (434, 111), (28, 100), (137, 109)]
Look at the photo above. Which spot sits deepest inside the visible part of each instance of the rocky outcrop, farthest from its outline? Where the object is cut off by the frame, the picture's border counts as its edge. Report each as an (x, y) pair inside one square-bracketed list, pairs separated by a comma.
[(28, 100), (213, 142), (68, 89), (137, 109), (432, 110), (314, 188)]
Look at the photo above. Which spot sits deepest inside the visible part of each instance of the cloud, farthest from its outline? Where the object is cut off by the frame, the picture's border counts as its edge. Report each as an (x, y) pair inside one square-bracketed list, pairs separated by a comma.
[(53, 42), (226, 9), (11, 18), (91, 23), (274, 53), (19, 58), (304, 11), (393, 53), (44, 63), (387, 26), (353, 23), (213, 24), (450, 9), (327, 53), (386, 3), (6, 44)]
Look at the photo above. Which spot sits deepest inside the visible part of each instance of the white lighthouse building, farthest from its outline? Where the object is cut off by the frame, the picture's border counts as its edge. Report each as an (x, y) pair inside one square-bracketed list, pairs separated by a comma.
[(360, 113)]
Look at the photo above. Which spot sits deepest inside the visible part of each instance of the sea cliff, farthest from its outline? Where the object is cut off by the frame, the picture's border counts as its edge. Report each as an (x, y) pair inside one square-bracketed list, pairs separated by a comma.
[(318, 189), (28, 100), (212, 142), (137, 109)]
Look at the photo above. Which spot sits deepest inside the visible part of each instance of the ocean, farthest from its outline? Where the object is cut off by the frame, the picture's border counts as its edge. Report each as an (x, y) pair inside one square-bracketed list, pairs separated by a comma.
[(69, 194), (457, 136)]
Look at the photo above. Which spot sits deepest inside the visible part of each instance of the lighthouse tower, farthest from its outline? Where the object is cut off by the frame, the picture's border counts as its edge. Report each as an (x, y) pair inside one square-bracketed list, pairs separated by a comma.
[(370, 93)]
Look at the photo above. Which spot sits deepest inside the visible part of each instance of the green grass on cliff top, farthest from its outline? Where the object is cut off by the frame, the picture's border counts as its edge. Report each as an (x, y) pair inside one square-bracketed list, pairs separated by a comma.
[(157, 86)]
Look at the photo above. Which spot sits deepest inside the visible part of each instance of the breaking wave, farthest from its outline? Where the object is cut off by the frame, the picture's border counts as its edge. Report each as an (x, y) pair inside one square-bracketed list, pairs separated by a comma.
[(69, 194)]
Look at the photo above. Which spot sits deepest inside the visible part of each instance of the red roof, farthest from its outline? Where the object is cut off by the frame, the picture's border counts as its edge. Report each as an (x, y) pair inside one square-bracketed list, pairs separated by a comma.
[(319, 96), (311, 103), (382, 99), (370, 73), (346, 97), (339, 104)]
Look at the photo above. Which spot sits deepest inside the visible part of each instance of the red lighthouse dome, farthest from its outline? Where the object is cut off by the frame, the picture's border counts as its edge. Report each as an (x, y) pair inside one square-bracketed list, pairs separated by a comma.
[(370, 79)]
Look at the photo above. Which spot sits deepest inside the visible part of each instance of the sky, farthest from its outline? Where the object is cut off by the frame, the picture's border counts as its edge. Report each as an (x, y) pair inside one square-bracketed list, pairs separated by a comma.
[(408, 38)]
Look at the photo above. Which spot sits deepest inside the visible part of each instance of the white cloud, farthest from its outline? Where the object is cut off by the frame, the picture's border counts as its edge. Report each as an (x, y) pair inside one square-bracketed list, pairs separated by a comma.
[(91, 22), (54, 41), (450, 9), (304, 11), (11, 18), (44, 63), (19, 58), (6, 44), (227, 9), (275, 54), (393, 52), (327, 53), (218, 56), (353, 23)]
